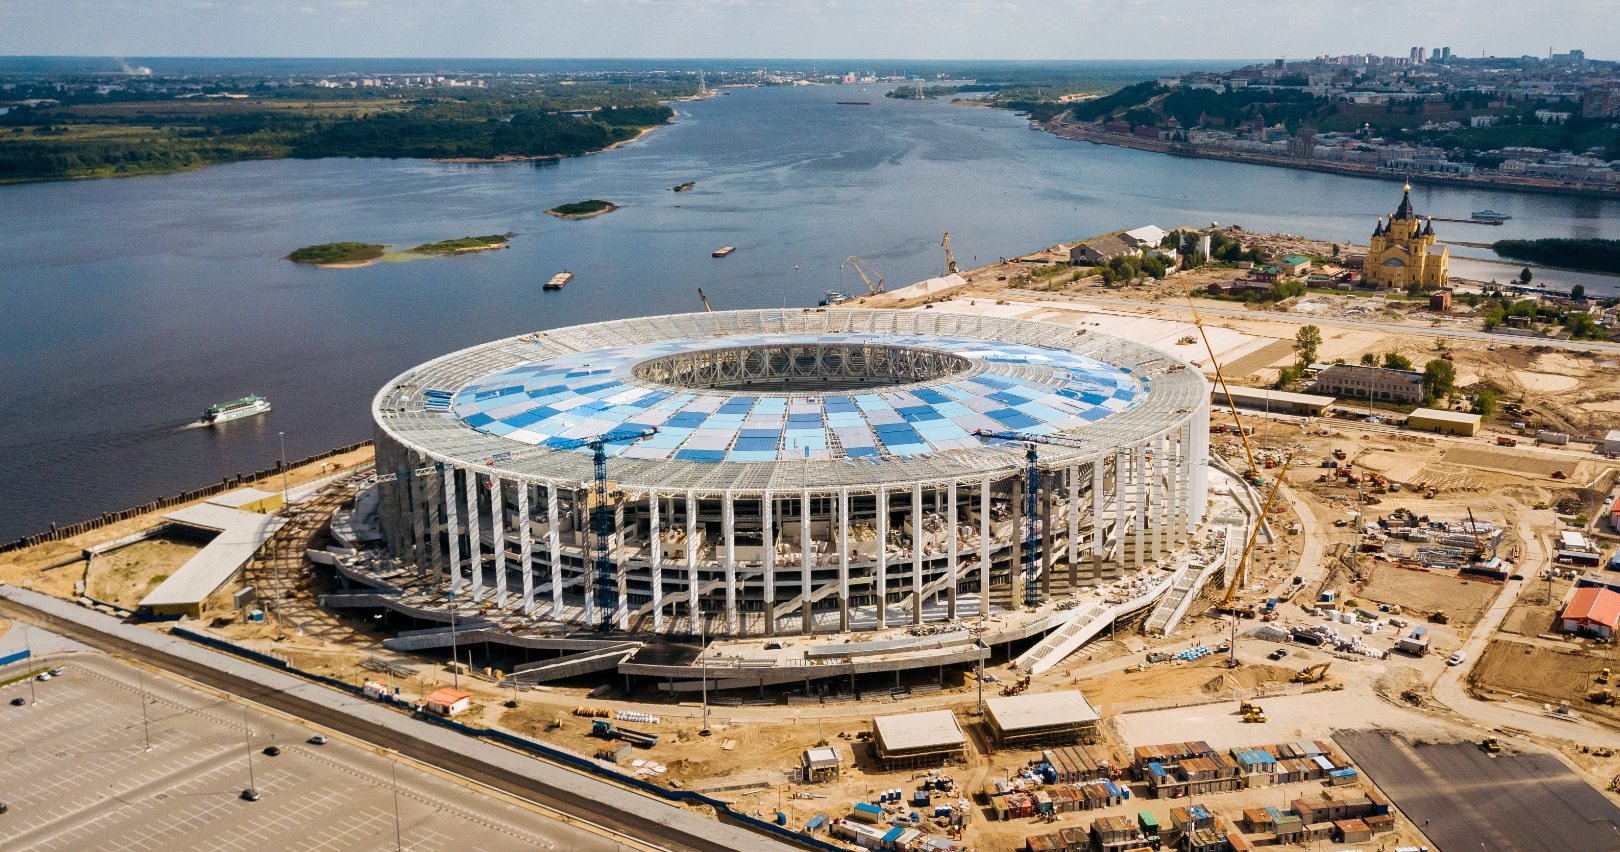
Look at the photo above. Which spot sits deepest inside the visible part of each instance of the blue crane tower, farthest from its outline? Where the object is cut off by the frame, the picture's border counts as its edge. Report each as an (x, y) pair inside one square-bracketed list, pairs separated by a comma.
[(1032, 485), (604, 591)]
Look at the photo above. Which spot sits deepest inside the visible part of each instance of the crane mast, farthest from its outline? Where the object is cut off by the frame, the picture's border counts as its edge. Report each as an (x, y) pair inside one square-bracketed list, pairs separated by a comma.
[(1032, 484), (705, 300), (1243, 561), (602, 585), (950, 260)]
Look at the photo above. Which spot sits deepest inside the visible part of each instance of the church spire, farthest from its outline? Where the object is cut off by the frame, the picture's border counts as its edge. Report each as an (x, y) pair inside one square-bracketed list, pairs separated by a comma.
[(1405, 210), (1428, 227), (1378, 229)]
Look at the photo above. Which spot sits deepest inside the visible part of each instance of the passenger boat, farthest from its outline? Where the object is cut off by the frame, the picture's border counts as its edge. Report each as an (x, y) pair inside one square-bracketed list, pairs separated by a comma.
[(1491, 214), (236, 409), (559, 281), (834, 298), (724, 250)]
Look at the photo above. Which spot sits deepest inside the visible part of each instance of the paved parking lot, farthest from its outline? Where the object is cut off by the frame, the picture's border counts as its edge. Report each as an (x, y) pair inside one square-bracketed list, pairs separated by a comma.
[(1464, 798), (76, 773)]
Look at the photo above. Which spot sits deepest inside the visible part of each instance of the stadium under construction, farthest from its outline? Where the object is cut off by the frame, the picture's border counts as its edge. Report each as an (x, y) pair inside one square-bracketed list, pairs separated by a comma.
[(937, 483)]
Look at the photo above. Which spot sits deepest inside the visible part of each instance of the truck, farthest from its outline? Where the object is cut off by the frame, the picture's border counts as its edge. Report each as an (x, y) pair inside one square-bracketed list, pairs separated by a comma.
[(607, 730), (1505, 441)]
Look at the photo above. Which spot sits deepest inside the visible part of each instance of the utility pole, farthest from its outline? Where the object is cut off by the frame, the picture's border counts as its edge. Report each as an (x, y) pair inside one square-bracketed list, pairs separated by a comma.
[(455, 659), (393, 776), (28, 645), (146, 722), (247, 741), (703, 661), (282, 436)]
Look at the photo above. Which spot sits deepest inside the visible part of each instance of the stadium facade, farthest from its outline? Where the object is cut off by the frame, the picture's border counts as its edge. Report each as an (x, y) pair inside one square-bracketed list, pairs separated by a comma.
[(796, 467)]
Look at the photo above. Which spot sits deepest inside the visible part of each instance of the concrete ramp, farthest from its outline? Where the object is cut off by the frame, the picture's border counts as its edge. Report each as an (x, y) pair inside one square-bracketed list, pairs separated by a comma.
[(584, 662), (1183, 590), (1083, 626)]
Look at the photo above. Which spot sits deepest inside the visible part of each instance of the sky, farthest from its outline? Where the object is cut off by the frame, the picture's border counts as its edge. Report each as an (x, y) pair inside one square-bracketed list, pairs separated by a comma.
[(805, 29)]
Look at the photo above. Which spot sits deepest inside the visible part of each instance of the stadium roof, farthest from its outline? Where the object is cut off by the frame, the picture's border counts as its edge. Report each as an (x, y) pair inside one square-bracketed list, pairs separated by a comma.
[(579, 395), (520, 407)]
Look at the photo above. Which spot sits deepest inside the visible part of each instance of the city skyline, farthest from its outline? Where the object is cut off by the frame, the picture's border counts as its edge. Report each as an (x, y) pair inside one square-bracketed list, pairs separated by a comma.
[(792, 29)]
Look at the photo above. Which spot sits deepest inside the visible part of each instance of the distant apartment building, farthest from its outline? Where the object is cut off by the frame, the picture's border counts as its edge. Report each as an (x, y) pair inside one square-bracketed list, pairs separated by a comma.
[(1357, 381)]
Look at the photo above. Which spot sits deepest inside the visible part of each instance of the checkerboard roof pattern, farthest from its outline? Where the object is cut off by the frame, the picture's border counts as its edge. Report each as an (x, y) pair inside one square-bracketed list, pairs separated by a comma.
[(559, 400)]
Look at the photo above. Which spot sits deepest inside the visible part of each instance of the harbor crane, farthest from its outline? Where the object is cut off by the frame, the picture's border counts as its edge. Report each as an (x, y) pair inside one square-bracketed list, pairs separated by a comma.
[(862, 269), (1253, 474), (1032, 485), (1243, 561), (705, 300), (602, 587), (950, 259)]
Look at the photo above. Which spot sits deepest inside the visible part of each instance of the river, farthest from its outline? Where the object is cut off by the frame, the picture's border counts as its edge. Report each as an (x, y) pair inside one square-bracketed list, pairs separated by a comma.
[(130, 305)]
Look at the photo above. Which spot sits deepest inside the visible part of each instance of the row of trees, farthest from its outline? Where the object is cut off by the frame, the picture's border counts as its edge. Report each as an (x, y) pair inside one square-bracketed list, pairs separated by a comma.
[(1439, 374)]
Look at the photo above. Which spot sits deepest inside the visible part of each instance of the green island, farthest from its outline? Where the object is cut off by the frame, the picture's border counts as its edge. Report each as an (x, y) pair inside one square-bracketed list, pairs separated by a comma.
[(330, 254), (1587, 255), (465, 244), (86, 135), (583, 209)]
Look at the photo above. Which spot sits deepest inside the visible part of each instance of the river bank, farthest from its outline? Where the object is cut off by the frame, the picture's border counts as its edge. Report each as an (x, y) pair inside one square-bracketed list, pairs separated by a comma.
[(1180, 149)]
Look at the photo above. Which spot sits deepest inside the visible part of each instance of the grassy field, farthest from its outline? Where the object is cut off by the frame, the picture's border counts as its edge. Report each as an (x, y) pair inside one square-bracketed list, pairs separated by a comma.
[(462, 244)]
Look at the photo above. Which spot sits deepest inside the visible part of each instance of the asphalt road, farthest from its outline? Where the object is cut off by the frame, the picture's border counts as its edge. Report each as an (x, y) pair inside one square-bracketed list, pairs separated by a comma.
[(1464, 799), (650, 824)]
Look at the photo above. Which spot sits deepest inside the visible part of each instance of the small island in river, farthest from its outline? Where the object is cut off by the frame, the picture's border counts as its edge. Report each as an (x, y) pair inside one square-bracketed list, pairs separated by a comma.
[(583, 209), (684, 187), (338, 254), (465, 244), (351, 255)]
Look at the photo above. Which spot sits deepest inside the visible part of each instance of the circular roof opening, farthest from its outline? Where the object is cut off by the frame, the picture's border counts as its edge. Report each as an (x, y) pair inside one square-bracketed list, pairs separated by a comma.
[(802, 367)]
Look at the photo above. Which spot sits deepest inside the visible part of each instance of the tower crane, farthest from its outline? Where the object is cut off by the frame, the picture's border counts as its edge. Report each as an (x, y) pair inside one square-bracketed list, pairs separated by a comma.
[(950, 259), (705, 300), (1253, 474), (1032, 484), (602, 587), (861, 269)]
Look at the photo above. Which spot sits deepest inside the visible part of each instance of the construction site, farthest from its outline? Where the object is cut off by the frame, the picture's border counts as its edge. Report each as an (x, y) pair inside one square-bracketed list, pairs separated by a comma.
[(995, 639)]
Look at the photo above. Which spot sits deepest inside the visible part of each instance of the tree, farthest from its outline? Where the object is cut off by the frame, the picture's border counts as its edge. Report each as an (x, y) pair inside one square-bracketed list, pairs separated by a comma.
[(1306, 342), (1485, 402), (1396, 361), (1578, 292), (1439, 378), (1525, 276), (1368, 359)]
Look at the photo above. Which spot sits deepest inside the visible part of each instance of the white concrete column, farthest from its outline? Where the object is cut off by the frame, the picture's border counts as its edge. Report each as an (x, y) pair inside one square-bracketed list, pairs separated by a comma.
[(452, 529), (843, 560), (806, 563), (1099, 504), (766, 506), (475, 535), (728, 519), (430, 504), (525, 544), (497, 527), (1161, 503), (1198, 487), (1139, 481), (692, 598), (951, 565), (420, 528), (984, 547), (1074, 518), (1122, 475), (882, 556), (621, 573), (916, 553), (554, 548), (655, 560)]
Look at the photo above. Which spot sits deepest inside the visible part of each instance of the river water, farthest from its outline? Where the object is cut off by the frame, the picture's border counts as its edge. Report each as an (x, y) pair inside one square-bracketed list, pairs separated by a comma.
[(128, 306)]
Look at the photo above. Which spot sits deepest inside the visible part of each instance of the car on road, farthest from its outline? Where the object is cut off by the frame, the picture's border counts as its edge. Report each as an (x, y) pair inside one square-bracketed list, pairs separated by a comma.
[(43, 676), (1456, 659), (250, 795), (56, 672), (272, 750), (4, 807), (1277, 654), (18, 701), (318, 739)]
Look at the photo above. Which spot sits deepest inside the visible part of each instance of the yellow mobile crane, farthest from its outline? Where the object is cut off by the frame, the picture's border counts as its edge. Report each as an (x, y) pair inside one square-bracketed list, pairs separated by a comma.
[(861, 270), (1253, 474), (950, 260), (1243, 562)]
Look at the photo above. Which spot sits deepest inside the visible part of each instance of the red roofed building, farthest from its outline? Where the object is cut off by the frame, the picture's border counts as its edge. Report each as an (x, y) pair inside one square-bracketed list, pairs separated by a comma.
[(1592, 610), (448, 702)]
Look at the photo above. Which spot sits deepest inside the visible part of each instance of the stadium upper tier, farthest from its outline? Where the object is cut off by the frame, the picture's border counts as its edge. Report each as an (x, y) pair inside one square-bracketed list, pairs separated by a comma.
[(781, 399)]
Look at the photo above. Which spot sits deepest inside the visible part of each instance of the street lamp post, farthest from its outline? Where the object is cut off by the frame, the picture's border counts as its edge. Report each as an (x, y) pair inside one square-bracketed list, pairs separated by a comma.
[(146, 721), (247, 741), (282, 436), (28, 645), (703, 660)]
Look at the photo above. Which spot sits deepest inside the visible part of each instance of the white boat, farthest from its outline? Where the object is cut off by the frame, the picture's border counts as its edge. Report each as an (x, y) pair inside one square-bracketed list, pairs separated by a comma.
[(236, 409), (558, 281), (1491, 214)]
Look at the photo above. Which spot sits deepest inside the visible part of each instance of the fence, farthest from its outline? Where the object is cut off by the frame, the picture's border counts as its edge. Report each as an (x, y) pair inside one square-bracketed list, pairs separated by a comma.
[(57, 533), (573, 761)]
